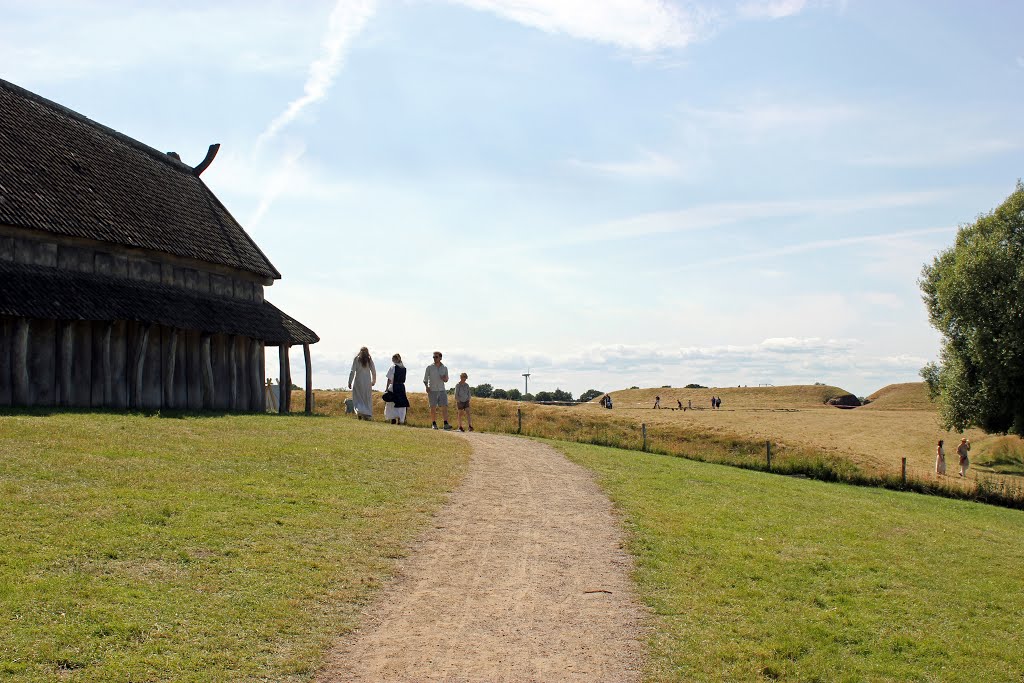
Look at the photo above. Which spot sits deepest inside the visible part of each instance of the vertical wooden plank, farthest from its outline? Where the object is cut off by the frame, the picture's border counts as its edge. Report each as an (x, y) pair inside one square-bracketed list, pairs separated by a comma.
[(43, 362), (66, 346), (153, 374), (141, 355), (282, 358), (232, 361), (6, 347), (81, 365), (261, 368), (244, 386), (309, 379), (221, 373), (194, 370), (120, 362), (206, 371), (21, 388), (171, 361)]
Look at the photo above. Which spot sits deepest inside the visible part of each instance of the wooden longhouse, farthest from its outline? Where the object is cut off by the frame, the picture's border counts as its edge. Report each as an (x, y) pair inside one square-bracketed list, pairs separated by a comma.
[(124, 282)]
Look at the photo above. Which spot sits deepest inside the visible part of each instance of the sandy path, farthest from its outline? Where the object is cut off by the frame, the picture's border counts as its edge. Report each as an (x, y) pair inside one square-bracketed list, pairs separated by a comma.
[(522, 578)]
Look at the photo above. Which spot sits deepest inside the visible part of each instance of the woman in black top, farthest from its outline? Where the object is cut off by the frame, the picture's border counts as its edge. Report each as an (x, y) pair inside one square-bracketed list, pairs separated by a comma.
[(396, 408)]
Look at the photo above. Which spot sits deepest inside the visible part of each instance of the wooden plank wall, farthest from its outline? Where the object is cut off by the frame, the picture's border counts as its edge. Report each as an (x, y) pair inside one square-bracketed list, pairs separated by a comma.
[(84, 364)]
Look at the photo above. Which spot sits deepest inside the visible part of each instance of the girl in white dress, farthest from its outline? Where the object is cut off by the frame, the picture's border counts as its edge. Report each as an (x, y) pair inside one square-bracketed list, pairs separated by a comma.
[(940, 459), (362, 376)]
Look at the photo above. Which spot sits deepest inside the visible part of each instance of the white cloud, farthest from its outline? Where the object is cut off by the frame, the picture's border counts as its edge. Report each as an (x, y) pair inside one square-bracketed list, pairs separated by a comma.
[(949, 152), (649, 165), (770, 9), (725, 213), (346, 21), (643, 25), (276, 184), (761, 117)]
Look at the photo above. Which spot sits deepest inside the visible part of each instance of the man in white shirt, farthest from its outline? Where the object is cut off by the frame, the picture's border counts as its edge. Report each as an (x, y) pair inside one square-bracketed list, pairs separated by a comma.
[(434, 379)]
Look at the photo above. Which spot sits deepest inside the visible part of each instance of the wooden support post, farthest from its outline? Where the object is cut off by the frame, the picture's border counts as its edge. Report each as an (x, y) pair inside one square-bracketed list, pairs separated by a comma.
[(140, 364), (19, 364), (206, 369), (108, 367), (768, 452), (67, 354), (309, 379), (233, 371), (172, 357), (283, 382), (643, 430), (904, 475), (255, 376), (520, 430)]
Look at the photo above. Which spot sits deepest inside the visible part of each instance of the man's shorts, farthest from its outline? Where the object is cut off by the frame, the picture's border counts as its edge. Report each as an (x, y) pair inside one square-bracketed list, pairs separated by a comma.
[(437, 398), (462, 405)]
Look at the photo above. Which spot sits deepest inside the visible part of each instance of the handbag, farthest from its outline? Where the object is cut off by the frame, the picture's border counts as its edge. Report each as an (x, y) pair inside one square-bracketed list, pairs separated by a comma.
[(388, 396)]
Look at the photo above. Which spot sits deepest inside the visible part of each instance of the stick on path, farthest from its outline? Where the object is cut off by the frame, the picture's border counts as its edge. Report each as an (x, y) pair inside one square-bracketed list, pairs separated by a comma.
[(522, 578)]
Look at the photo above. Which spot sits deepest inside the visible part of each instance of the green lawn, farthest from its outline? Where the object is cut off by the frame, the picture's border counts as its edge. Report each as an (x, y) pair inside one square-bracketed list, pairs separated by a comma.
[(200, 548), (753, 576)]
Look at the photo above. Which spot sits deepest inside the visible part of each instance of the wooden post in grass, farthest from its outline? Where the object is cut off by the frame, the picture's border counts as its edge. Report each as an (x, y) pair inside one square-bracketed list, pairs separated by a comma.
[(643, 430), (520, 411), (768, 452), (904, 477)]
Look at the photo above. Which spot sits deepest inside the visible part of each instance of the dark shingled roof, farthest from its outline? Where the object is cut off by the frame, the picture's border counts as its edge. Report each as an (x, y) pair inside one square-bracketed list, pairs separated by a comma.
[(50, 293), (66, 174)]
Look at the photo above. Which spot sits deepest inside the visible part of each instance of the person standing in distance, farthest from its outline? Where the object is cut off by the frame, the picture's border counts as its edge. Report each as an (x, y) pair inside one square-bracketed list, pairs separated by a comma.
[(437, 396)]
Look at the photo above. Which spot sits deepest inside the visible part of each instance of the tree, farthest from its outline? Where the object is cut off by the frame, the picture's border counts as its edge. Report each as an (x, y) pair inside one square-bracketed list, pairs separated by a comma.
[(974, 292), (499, 393), (560, 395), (527, 396), (590, 395), (695, 386), (516, 395), (544, 396), (483, 391)]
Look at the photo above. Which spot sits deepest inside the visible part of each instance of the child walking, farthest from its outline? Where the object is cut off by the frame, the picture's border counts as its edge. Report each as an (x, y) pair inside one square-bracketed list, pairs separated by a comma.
[(462, 396)]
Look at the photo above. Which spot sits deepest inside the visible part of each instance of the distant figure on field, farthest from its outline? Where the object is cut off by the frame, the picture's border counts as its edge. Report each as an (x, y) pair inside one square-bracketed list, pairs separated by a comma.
[(962, 450), (462, 396), (689, 403), (433, 379), (712, 403), (718, 402), (396, 409), (362, 376), (680, 404), (606, 401), (657, 402), (940, 459)]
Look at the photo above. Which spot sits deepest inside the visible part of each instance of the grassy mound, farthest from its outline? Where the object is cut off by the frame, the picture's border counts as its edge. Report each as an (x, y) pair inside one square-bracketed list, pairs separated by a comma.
[(754, 577), (907, 396), (1002, 454), (796, 396), (202, 548)]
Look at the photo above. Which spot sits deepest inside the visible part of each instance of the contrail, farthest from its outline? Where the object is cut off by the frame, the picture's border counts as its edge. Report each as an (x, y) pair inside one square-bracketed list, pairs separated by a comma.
[(347, 19)]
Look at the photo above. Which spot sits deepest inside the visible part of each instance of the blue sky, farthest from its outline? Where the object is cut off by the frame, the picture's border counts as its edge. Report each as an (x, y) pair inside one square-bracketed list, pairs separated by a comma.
[(603, 192)]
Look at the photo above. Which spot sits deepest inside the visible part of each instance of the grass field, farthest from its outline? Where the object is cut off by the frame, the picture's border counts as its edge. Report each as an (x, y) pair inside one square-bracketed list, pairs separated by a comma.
[(757, 577), (202, 548)]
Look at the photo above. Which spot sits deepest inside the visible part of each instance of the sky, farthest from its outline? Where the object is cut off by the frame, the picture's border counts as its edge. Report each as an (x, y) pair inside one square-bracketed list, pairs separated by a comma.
[(602, 193)]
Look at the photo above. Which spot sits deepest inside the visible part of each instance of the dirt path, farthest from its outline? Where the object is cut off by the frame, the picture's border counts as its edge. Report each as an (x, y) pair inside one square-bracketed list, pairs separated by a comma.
[(522, 579)]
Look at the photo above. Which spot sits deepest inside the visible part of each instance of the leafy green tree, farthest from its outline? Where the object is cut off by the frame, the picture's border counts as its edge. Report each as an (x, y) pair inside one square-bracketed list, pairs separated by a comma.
[(483, 391), (590, 395), (516, 395), (695, 386), (560, 395), (499, 393), (974, 292), (544, 396), (527, 396)]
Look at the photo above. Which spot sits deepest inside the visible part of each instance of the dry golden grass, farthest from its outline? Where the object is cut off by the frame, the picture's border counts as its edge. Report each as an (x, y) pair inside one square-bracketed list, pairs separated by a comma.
[(908, 396), (795, 419)]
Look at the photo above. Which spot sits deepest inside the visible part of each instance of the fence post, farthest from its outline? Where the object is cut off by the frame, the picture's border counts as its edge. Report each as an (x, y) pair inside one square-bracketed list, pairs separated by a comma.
[(768, 452), (643, 430), (520, 411), (904, 476)]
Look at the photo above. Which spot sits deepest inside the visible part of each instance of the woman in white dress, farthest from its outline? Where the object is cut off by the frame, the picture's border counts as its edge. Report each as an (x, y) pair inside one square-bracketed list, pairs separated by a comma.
[(362, 376), (940, 459), (396, 409)]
